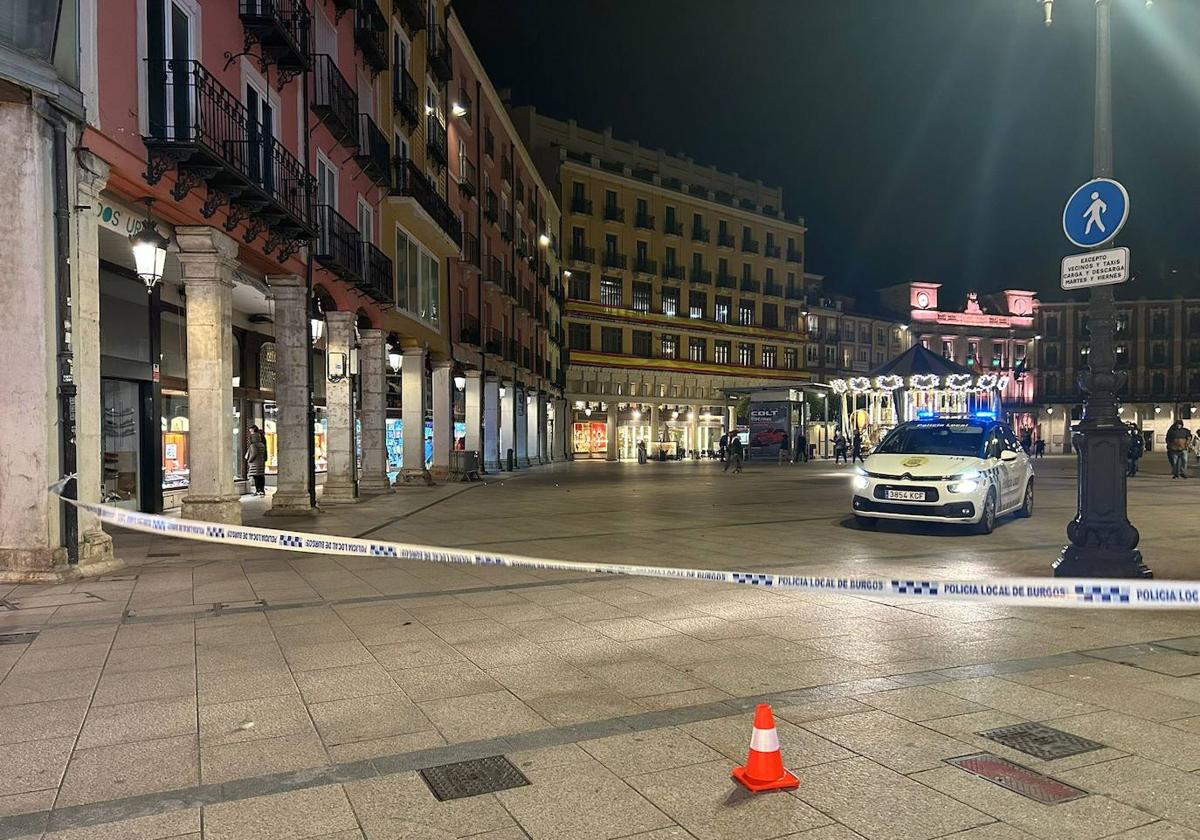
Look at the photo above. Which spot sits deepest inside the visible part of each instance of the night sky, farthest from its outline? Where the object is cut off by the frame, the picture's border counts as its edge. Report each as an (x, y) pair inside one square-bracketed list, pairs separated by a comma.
[(920, 139)]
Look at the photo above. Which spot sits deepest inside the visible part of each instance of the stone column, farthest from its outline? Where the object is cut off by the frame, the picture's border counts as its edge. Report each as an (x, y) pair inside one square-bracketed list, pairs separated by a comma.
[(412, 380), (94, 545), (443, 418), (695, 412), (521, 426), (291, 395), (611, 453), (491, 423), (508, 423), (654, 421), (372, 366), (562, 430), (531, 432), (731, 419), (473, 412), (207, 259), (543, 433), (339, 409)]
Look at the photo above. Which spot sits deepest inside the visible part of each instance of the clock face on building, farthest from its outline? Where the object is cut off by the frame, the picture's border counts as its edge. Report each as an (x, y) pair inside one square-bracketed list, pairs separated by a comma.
[(1021, 306), (923, 300)]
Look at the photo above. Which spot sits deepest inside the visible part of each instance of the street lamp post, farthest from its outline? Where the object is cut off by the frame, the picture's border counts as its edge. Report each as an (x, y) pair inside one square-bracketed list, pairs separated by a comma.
[(1103, 542)]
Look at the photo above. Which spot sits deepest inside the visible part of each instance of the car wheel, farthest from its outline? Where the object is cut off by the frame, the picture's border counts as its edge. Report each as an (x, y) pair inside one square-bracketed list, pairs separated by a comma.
[(987, 522), (1026, 510), (867, 523)]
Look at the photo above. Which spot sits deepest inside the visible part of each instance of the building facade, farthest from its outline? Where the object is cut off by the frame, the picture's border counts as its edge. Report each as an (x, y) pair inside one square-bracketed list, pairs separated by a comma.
[(683, 283), (1157, 346)]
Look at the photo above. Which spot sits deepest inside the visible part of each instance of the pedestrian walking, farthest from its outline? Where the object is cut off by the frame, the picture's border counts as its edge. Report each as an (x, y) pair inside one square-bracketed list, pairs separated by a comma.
[(1027, 440), (801, 453), (1178, 439), (839, 447), (256, 460), (784, 456), (1136, 449), (641, 451), (1039, 448), (856, 448), (736, 451), (723, 446)]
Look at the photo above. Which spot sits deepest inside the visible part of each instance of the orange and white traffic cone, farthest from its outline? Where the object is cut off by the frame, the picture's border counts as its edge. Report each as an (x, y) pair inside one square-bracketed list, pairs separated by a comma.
[(764, 768)]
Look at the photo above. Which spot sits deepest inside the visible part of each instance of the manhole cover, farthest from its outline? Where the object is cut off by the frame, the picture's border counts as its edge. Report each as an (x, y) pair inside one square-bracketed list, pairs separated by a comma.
[(471, 778), (17, 638), (1041, 741), (1014, 777)]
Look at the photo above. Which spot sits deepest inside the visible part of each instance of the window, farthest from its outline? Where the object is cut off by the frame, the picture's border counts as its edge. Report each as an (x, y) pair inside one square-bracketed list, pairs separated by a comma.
[(697, 349), (948, 348), (1158, 384), (670, 302), (670, 346), (642, 294), (811, 354), (327, 181), (830, 355), (770, 316), (366, 221), (790, 358), (721, 309), (610, 339), (998, 354), (745, 354), (642, 343), (814, 324), (672, 258), (864, 334), (610, 245), (1158, 354), (610, 291), (578, 240), (672, 222), (1051, 355), (1194, 321), (697, 304), (847, 331), (579, 286), (1122, 355), (746, 313), (880, 335), (1194, 353), (418, 281), (768, 356), (642, 250), (578, 194), (770, 279), (791, 318), (580, 336), (1052, 326), (863, 354), (1158, 324), (721, 352)]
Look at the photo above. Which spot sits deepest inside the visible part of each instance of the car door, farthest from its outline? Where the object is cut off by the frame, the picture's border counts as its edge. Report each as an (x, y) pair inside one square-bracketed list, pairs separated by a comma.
[(1012, 472)]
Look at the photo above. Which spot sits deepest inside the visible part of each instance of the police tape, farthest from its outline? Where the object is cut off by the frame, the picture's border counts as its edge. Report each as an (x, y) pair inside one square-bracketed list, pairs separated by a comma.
[(1024, 592)]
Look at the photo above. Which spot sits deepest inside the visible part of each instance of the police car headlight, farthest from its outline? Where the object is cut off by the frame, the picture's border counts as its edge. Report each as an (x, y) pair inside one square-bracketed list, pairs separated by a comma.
[(968, 474), (860, 482), (963, 486)]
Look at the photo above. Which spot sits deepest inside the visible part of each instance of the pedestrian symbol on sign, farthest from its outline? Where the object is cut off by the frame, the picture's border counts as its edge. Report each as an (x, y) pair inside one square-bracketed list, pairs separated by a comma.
[(1096, 213)]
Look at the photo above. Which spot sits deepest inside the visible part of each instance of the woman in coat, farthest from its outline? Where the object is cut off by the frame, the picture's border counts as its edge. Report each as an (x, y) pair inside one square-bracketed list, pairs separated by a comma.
[(256, 460)]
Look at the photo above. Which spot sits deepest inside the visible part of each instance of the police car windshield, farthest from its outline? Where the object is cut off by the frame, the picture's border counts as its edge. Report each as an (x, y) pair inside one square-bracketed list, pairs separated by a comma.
[(934, 439)]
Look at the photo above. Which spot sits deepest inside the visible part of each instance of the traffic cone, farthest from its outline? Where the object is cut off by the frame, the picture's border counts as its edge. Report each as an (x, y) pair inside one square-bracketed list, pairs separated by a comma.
[(764, 768)]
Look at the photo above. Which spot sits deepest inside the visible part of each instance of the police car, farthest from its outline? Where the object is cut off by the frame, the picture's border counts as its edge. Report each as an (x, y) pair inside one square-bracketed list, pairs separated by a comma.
[(967, 470)]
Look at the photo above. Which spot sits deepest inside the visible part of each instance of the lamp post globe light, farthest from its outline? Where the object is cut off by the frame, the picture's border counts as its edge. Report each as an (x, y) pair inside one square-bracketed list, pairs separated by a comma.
[(1103, 542), (149, 251)]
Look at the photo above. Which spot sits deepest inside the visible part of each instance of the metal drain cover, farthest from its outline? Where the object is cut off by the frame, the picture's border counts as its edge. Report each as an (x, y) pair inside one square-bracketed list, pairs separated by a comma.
[(472, 778), (17, 638), (1041, 741), (1018, 779)]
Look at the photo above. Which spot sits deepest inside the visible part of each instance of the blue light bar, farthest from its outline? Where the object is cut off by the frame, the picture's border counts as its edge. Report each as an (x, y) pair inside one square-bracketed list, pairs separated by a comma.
[(925, 414), (985, 415)]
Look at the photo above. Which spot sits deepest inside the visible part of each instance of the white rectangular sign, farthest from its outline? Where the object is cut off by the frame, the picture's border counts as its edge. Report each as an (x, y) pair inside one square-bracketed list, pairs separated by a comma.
[(1095, 268)]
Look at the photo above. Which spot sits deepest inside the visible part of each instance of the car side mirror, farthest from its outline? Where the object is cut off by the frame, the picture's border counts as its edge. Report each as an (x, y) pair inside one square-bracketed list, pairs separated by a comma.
[(1008, 455)]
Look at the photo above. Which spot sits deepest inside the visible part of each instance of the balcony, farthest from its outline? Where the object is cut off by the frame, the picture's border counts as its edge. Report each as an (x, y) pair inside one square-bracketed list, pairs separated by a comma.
[(374, 155), (467, 176), (772, 251), (283, 30), (506, 169), (749, 284), (749, 246), (491, 206), (794, 294), (338, 246), (526, 358), (614, 259), (525, 298), (404, 97), (468, 330), (410, 182), (435, 139), (700, 235), (334, 102), (441, 64), (489, 143), (412, 13), (724, 240), (509, 286), (493, 271), (794, 256), (613, 213), (673, 227), (646, 266), (512, 351), (726, 281), (701, 276), (376, 278), (643, 221), (495, 343), (470, 250), (204, 131), (581, 205), (371, 35), (773, 289), (506, 226), (582, 253)]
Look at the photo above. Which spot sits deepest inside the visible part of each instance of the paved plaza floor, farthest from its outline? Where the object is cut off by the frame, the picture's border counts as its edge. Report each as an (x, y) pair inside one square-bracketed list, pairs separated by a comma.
[(235, 694)]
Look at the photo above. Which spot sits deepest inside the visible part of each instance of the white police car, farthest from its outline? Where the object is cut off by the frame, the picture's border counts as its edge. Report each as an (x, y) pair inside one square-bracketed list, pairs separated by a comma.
[(968, 470)]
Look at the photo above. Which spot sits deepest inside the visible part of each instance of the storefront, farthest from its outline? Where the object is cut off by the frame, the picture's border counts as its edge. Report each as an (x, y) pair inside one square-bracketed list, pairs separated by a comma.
[(681, 431)]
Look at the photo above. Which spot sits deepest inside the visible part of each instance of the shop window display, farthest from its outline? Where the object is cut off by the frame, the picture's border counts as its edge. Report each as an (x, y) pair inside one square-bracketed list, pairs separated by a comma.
[(270, 426), (175, 427)]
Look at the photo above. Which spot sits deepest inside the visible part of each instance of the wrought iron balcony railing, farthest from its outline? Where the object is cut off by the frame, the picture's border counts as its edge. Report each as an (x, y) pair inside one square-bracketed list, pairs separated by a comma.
[(726, 281), (376, 278), (435, 138), (724, 240), (582, 253), (749, 285), (773, 289), (410, 181), (441, 63), (371, 34), (673, 227), (613, 213), (204, 131), (615, 259), (493, 271), (644, 221), (283, 30), (468, 330), (467, 176), (772, 251), (374, 154), (491, 206), (794, 256), (404, 96), (646, 266), (470, 248), (700, 234), (338, 244), (701, 276), (749, 246), (581, 205), (412, 14), (334, 102)]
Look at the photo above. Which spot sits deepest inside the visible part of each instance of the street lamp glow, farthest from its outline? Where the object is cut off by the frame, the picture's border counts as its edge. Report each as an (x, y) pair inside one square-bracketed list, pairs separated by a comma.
[(149, 251), (394, 361), (458, 110), (544, 240)]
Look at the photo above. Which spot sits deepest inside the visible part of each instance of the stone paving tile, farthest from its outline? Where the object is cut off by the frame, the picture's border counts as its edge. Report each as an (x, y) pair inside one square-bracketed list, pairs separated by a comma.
[(1151, 705), (286, 816), (245, 759), (343, 682), (306, 635), (380, 747), (155, 657), (19, 689), (402, 806), (478, 716), (1021, 700), (1163, 744), (245, 684), (144, 720), (115, 772), (182, 823), (840, 832), (150, 635), (1081, 819), (643, 678), (649, 751), (454, 679), (39, 721), (60, 658), (852, 791), (709, 804), (582, 801), (679, 699), (1160, 830), (547, 676), (253, 720), (367, 718), (579, 706), (34, 765), (399, 655), (589, 651), (628, 629), (919, 703), (153, 684), (891, 741), (500, 652), (552, 629), (819, 709), (215, 659), (730, 736), (327, 655)]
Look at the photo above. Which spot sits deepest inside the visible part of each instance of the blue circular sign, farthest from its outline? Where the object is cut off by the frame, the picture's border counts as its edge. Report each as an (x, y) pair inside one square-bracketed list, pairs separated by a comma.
[(1096, 212)]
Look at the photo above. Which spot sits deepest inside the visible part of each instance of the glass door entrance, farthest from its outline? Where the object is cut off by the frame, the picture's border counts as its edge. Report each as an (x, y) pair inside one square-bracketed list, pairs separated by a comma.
[(121, 436)]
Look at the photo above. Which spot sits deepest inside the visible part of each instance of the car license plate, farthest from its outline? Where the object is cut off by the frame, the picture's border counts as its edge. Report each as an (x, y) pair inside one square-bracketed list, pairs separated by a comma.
[(906, 495)]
